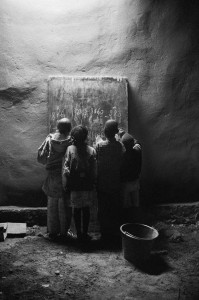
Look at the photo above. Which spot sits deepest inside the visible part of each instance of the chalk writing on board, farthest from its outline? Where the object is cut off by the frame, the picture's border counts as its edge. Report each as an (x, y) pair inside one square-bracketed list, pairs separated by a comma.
[(88, 101)]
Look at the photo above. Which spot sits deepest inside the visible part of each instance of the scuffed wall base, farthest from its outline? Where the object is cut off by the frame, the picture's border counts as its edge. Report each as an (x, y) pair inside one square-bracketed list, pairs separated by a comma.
[(184, 213), (31, 216)]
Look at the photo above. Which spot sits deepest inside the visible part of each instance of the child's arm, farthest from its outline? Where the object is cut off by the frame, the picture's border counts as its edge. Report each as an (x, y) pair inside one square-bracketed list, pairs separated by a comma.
[(65, 169), (43, 152)]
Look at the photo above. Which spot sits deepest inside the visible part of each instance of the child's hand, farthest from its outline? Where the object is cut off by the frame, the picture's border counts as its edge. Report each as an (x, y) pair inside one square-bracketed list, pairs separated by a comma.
[(98, 139), (117, 137), (137, 147)]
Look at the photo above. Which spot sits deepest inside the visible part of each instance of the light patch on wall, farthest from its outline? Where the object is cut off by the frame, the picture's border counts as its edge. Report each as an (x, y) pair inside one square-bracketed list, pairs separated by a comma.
[(52, 6)]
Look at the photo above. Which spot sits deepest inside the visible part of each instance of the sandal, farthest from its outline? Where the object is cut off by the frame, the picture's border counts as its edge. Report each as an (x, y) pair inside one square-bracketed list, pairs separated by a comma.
[(71, 235)]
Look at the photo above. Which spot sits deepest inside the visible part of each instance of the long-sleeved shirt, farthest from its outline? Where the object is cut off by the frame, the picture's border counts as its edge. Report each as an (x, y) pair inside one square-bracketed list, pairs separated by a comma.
[(132, 163)]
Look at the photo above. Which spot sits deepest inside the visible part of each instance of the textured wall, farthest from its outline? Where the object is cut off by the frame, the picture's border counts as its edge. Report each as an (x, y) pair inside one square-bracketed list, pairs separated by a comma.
[(152, 43)]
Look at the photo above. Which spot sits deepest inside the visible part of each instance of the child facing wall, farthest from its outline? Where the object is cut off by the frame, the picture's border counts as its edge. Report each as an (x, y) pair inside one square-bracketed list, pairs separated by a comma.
[(130, 173), (109, 160), (79, 171)]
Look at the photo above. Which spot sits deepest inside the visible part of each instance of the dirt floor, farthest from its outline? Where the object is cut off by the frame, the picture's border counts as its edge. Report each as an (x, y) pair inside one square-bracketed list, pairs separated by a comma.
[(35, 268)]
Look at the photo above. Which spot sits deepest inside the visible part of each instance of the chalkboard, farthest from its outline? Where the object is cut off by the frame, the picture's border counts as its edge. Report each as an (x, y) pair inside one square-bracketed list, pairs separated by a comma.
[(89, 101)]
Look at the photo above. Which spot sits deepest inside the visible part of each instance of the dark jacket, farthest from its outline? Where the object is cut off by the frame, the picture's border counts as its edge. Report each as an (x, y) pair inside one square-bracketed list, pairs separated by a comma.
[(109, 160), (132, 163)]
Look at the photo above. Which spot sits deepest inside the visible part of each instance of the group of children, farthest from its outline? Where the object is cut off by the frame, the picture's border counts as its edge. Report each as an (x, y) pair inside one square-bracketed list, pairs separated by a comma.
[(75, 170)]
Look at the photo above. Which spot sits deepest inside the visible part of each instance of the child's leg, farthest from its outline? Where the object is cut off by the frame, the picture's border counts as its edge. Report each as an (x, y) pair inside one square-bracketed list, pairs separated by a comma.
[(77, 220), (135, 198), (86, 219), (130, 193), (68, 218), (53, 225), (133, 213), (109, 213), (103, 212), (65, 215), (126, 204), (68, 209), (136, 212)]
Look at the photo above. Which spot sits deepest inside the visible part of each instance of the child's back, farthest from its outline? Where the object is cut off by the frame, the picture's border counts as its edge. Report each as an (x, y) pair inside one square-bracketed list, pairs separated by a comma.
[(130, 173), (132, 159), (109, 157), (80, 171)]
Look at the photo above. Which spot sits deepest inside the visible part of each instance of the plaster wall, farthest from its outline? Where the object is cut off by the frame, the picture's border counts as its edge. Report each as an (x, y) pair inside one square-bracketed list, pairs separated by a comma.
[(152, 43)]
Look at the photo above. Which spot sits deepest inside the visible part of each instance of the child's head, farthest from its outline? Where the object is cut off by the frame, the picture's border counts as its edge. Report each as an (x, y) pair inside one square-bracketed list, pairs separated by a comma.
[(128, 140), (79, 135), (64, 126), (111, 128)]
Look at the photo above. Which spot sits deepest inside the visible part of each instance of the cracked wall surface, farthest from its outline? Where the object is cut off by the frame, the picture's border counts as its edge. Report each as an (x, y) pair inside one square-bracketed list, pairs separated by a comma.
[(152, 43)]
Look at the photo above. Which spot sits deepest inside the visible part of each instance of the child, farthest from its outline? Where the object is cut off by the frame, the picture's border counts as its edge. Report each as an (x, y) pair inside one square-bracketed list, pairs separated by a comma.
[(130, 173), (80, 172), (109, 159), (58, 214)]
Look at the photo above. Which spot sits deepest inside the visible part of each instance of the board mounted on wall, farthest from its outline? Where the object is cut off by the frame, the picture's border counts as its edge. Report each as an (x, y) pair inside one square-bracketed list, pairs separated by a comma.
[(89, 101)]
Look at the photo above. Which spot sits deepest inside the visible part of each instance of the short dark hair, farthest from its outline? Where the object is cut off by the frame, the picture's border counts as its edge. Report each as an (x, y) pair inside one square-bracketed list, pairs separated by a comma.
[(111, 128), (79, 135), (128, 140), (64, 125)]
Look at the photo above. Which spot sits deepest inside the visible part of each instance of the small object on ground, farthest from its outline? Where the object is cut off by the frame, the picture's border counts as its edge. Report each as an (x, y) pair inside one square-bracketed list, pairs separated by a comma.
[(3, 231), (176, 237), (45, 285), (57, 272), (16, 229), (18, 264), (35, 227), (40, 234)]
